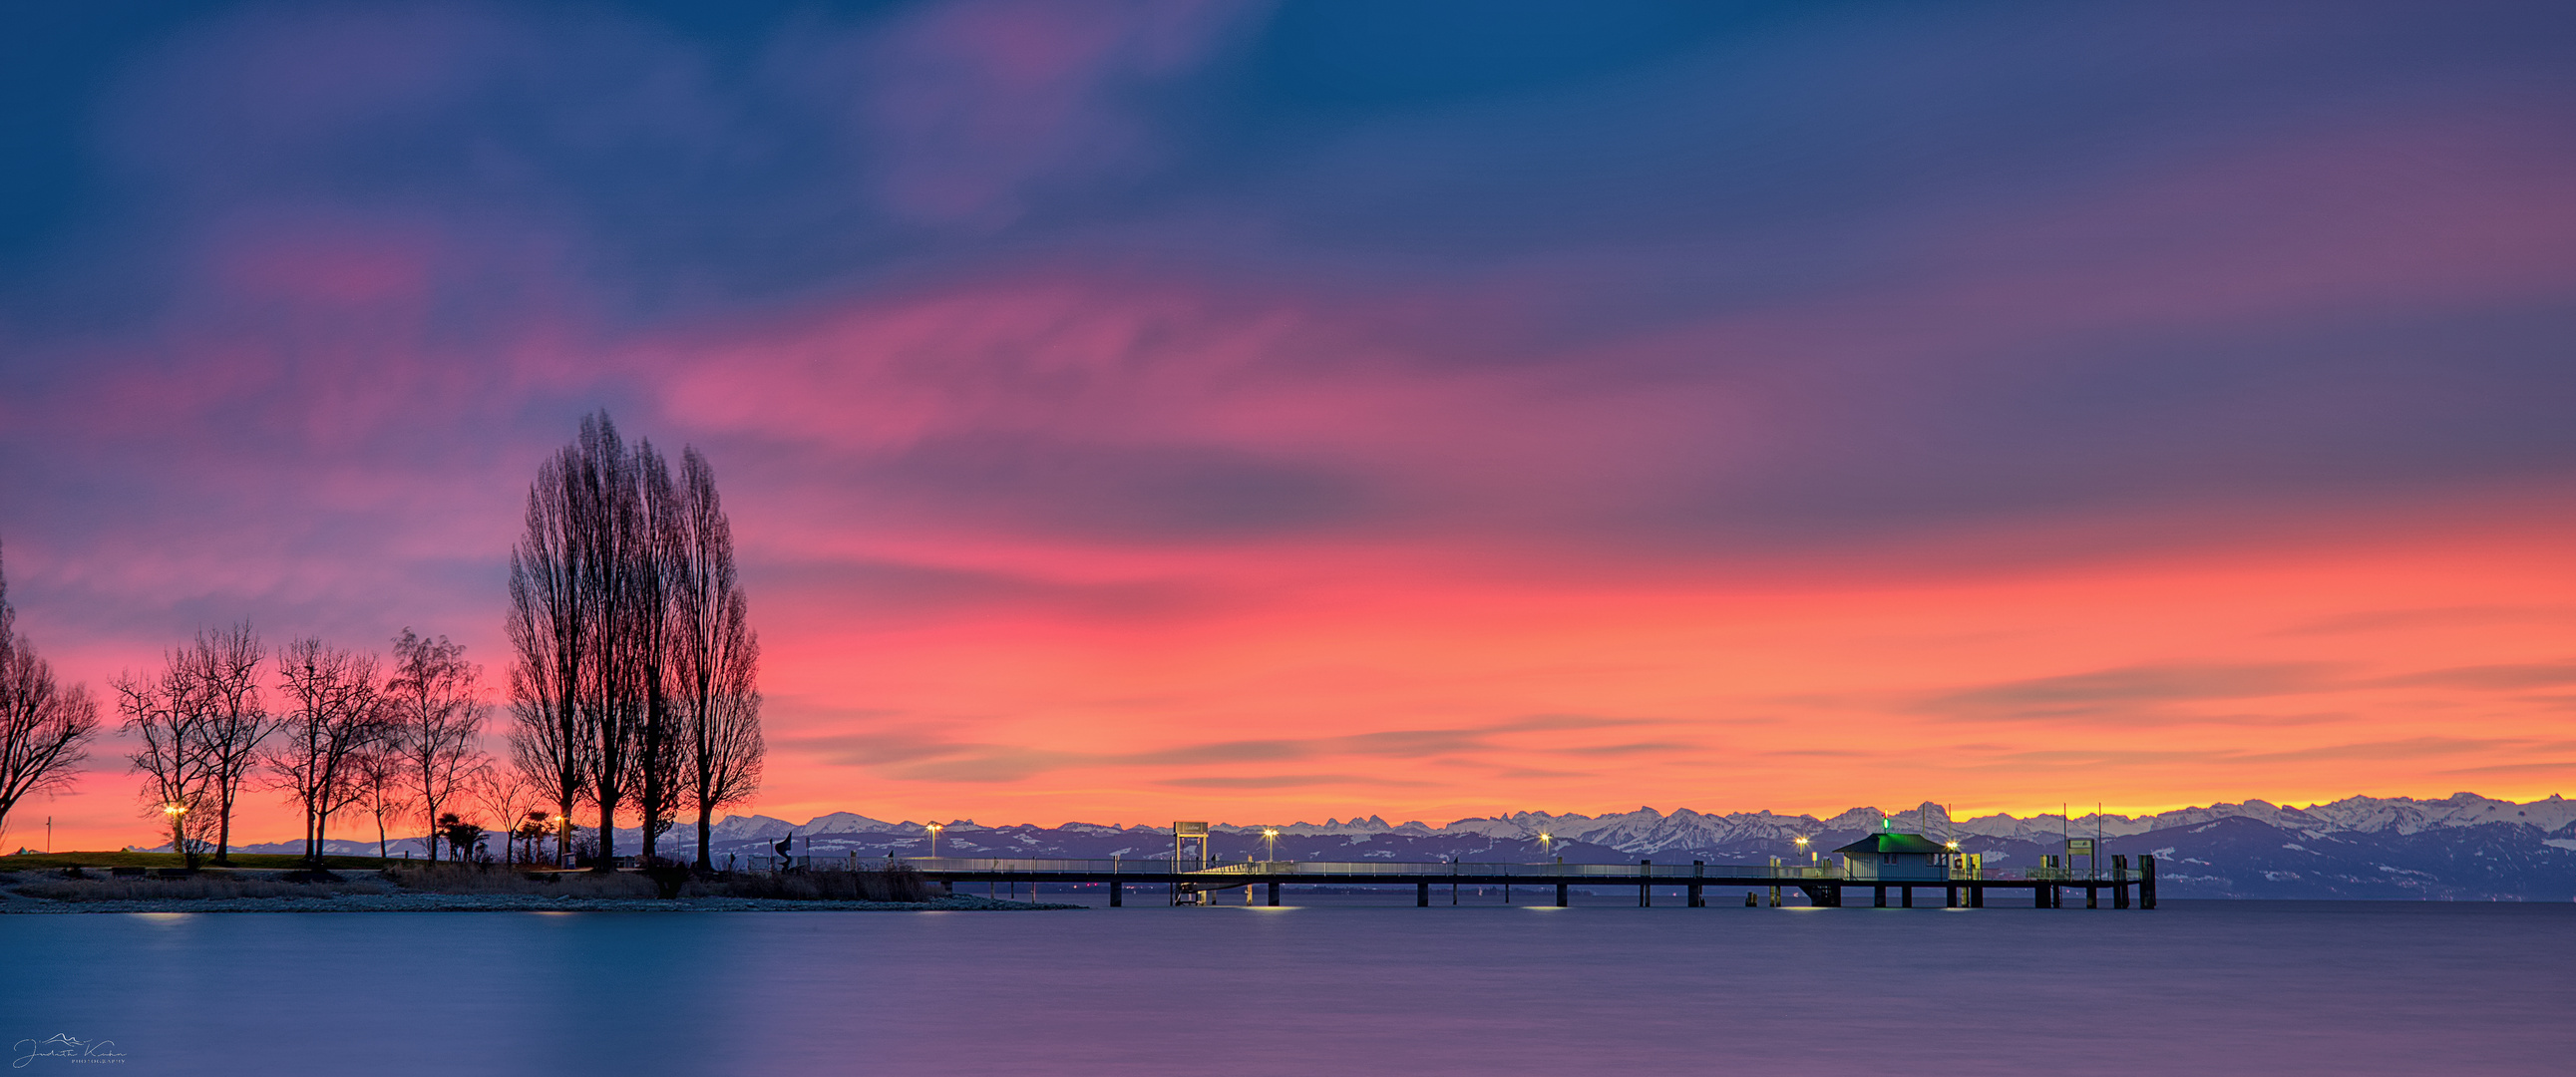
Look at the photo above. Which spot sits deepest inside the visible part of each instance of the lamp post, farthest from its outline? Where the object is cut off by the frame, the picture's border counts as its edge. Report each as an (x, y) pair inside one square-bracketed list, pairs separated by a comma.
[(1802, 847), (178, 838), (934, 840), (1270, 845), (1546, 843)]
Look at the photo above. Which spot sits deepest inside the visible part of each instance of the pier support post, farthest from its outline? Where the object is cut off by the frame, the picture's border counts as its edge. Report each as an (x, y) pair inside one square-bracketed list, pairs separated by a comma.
[(1422, 895), (1697, 869), (1909, 896), (1880, 893), (2120, 881), (1560, 895), (2092, 896), (1646, 888), (1834, 896), (1274, 894), (1976, 896), (1117, 893), (2147, 881), (1950, 897), (1695, 901)]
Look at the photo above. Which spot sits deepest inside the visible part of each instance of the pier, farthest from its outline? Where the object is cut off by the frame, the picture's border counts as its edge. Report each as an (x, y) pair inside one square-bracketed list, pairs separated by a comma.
[(1825, 886)]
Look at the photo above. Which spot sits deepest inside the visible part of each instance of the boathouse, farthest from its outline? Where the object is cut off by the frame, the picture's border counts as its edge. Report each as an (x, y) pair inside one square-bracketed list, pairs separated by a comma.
[(1893, 857)]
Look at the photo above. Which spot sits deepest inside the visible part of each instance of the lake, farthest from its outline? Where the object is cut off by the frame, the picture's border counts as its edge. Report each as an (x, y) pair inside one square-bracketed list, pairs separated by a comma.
[(1330, 986)]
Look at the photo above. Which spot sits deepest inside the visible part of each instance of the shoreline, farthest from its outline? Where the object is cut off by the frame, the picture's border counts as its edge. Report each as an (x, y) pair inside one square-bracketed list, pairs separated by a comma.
[(22, 905)]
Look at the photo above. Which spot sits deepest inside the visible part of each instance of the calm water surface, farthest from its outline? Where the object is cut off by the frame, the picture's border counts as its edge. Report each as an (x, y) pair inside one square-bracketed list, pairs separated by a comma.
[(2216, 988)]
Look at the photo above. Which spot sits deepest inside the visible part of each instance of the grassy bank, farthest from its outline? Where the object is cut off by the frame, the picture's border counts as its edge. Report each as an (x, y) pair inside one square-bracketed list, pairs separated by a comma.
[(47, 879), (122, 859)]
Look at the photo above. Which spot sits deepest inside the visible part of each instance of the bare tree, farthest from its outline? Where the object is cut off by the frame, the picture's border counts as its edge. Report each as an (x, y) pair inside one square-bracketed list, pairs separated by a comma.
[(178, 779), (218, 677), (507, 795), (611, 507), (437, 711), (44, 728), (634, 678), (715, 657), (539, 753), (550, 627), (574, 616), (337, 711), (380, 772), (652, 578)]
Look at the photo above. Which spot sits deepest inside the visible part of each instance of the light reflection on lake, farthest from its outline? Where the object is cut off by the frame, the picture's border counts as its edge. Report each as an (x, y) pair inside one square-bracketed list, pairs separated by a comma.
[(2359, 988)]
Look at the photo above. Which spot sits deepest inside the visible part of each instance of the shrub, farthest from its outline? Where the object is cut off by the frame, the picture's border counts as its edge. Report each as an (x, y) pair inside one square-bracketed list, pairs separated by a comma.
[(453, 878)]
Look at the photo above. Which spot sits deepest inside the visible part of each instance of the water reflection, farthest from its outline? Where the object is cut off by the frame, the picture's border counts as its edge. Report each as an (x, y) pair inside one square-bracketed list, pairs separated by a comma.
[(2200, 988)]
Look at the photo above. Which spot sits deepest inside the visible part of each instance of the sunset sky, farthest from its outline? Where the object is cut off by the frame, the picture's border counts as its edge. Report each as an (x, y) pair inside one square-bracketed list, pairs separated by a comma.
[(1152, 410)]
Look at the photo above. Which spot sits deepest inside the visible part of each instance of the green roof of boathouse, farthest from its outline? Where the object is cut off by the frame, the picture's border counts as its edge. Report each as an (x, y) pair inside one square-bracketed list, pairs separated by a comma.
[(1886, 842)]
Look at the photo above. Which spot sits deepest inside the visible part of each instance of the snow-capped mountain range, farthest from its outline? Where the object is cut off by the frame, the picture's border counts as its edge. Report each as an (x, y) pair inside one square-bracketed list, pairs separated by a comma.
[(2460, 847), (1646, 830)]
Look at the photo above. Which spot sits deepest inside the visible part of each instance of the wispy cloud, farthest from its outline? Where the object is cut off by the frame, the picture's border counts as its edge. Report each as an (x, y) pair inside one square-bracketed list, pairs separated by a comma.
[(2132, 688)]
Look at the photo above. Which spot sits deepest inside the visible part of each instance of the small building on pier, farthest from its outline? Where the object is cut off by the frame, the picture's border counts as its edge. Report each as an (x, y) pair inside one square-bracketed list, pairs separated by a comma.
[(1893, 857)]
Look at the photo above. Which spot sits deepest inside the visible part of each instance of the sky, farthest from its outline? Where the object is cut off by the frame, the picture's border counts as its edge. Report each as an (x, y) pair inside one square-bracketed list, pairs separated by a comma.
[(1162, 409)]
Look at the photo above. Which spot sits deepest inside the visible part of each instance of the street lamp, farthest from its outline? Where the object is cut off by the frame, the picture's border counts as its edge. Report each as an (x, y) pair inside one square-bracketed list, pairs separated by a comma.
[(1270, 845), (1802, 847), (178, 842), (1546, 843), (934, 841)]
